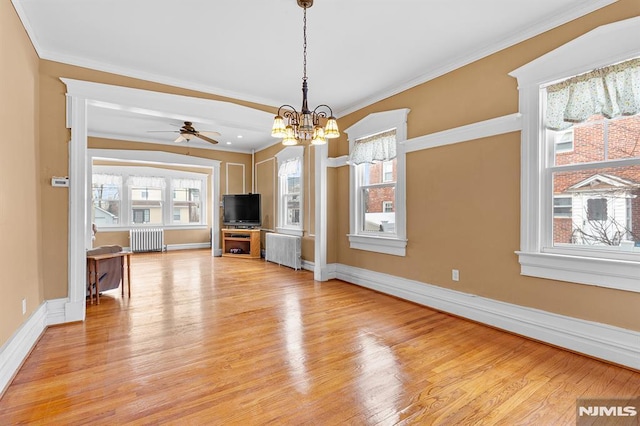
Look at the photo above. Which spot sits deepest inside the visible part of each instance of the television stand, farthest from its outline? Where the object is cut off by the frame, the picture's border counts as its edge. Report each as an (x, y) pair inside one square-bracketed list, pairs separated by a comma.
[(241, 243)]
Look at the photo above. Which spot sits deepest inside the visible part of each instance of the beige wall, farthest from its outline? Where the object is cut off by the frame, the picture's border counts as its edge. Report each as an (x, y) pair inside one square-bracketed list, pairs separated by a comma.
[(54, 149), (20, 213), (267, 185), (463, 200), (477, 181)]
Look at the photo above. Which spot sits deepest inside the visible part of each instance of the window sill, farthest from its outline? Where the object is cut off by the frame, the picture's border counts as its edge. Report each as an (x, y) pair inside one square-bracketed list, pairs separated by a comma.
[(290, 231), (610, 273), (386, 245)]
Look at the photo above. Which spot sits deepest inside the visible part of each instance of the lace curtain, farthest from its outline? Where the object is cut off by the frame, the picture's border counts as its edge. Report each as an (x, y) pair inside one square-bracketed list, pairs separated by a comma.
[(186, 183), (611, 91), (380, 147), (289, 167), (106, 179), (147, 181)]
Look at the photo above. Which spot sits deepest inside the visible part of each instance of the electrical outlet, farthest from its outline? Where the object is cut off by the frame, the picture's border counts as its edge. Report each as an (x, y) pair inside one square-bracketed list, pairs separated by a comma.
[(24, 306), (455, 275)]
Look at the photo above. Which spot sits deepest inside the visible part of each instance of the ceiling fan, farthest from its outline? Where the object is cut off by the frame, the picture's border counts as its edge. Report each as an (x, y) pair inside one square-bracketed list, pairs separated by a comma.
[(187, 131)]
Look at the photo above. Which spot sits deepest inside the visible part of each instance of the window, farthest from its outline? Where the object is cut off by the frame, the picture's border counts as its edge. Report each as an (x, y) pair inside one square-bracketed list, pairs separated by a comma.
[(377, 187), (146, 199), (585, 99), (597, 209), (562, 206), (106, 193), (142, 193), (564, 142), (141, 215), (387, 171), (186, 201), (290, 178), (375, 191)]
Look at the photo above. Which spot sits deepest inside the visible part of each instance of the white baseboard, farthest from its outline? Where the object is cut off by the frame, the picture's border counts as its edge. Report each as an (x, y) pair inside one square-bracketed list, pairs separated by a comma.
[(17, 348), (189, 246), (57, 311), (613, 344), (308, 265)]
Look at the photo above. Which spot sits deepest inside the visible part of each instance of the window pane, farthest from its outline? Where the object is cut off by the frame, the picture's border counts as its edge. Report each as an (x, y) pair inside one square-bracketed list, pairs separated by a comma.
[(146, 205), (588, 143), (562, 206), (374, 200), (624, 137), (293, 184), (106, 202), (186, 205), (378, 172), (605, 206), (292, 210)]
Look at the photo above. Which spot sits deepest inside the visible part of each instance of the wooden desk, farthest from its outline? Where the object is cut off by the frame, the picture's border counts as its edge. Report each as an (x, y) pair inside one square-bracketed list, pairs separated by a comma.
[(93, 268)]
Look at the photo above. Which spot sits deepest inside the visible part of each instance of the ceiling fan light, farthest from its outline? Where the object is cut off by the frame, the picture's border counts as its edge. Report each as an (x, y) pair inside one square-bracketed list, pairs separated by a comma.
[(290, 137), (331, 129), (278, 130)]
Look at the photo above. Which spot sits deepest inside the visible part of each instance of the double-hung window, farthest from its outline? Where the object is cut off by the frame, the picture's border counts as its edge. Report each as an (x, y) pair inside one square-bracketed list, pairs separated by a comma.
[(290, 190), (581, 160), (377, 184)]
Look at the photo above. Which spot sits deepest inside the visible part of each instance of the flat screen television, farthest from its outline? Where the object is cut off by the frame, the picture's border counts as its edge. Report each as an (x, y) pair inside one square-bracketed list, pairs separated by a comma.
[(241, 210)]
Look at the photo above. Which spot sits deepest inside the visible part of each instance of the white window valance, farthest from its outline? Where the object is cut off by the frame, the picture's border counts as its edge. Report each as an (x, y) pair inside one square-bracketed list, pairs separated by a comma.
[(378, 147), (186, 183), (611, 91), (106, 179), (147, 181), (290, 167)]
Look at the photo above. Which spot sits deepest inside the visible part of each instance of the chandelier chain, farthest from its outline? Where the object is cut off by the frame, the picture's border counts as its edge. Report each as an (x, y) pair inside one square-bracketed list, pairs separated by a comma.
[(304, 45)]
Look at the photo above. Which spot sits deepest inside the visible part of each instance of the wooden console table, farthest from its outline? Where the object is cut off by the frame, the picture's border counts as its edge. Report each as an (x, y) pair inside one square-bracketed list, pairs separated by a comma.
[(93, 268)]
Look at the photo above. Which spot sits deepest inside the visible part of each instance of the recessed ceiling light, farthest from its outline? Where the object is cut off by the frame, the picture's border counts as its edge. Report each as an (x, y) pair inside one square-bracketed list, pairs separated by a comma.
[(228, 143), (239, 136)]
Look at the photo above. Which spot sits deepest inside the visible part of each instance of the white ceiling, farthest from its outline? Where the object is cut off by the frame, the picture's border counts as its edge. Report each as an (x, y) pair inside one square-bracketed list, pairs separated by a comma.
[(359, 51)]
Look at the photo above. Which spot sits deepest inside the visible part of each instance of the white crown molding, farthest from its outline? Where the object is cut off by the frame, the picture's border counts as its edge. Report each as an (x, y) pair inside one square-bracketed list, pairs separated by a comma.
[(156, 78), (539, 27), (27, 26), (613, 344), (533, 30)]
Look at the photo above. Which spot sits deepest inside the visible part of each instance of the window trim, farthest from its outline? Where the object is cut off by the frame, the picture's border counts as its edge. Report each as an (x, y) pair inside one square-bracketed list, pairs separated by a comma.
[(371, 124), (286, 154), (127, 222), (600, 47)]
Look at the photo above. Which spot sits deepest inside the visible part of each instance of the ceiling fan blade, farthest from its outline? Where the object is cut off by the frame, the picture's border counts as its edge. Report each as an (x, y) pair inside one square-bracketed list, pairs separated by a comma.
[(180, 139), (209, 133), (205, 138)]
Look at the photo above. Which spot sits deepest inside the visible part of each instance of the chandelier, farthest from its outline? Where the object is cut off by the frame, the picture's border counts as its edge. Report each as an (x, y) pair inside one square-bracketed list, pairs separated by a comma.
[(295, 127)]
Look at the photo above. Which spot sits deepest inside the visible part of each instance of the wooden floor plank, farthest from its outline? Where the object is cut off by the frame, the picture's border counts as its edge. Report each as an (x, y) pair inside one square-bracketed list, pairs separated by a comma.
[(207, 340)]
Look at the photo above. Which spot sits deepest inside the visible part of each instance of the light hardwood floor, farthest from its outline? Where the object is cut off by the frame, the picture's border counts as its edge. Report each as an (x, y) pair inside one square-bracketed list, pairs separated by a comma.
[(235, 341)]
